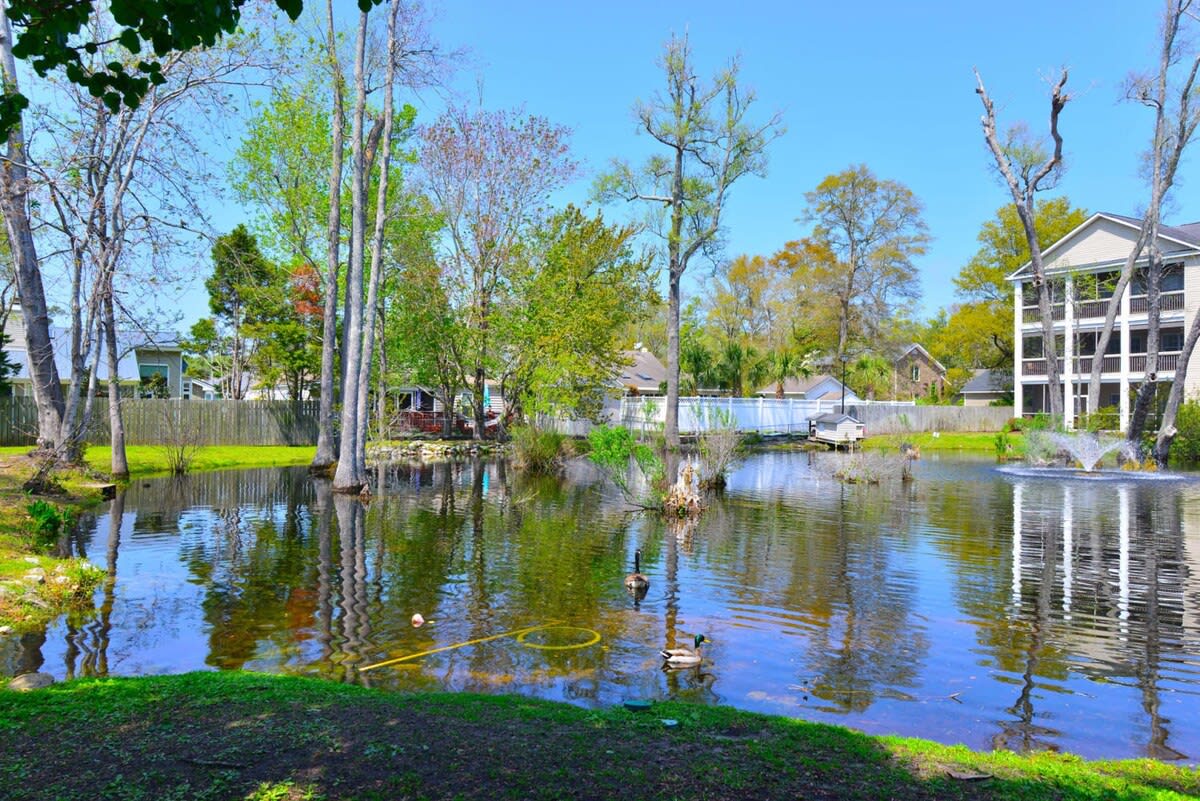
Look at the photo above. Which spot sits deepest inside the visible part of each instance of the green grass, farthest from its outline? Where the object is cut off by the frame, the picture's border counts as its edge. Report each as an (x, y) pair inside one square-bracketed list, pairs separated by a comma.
[(947, 441), (149, 460), (252, 736)]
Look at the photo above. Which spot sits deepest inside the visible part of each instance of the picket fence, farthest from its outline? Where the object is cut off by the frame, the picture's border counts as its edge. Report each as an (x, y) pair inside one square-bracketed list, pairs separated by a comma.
[(155, 422), (786, 416)]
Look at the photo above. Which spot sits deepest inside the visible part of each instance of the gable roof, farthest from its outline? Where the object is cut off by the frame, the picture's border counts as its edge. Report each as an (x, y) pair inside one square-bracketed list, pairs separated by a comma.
[(925, 353), (643, 370), (836, 417), (803, 386), (986, 382), (1187, 236)]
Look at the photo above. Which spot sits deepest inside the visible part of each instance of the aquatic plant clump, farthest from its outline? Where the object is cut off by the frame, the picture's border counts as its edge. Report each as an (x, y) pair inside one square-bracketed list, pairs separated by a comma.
[(631, 465)]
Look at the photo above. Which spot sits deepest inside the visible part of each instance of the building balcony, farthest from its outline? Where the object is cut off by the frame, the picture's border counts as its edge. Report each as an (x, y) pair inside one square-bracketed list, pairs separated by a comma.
[(1111, 366), (1096, 309)]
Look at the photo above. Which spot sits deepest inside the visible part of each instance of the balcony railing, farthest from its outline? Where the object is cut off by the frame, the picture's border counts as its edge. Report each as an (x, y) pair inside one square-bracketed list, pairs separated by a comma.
[(1112, 364), (1168, 301), (1032, 315), (1097, 309)]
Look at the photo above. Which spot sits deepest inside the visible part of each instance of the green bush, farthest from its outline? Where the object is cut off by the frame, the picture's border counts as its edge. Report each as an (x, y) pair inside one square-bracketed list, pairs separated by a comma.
[(48, 522), (613, 449), (1185, 449), (1106, 418), (1003, 444), (538, 450)]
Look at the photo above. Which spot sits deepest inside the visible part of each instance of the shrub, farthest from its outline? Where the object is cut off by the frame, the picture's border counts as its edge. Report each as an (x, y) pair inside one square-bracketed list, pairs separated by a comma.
[(1106, 418), (1003, 444), (1185, 449), (719, 446), (49, 522), (538, 450), (615, 451)]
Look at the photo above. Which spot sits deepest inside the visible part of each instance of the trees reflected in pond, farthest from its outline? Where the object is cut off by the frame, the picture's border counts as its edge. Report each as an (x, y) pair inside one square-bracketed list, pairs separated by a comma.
[(1064, 613)]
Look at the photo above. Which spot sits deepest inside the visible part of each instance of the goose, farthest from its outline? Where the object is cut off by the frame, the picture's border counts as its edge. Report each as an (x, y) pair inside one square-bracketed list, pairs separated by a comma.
[(635, 581), (683, 657)]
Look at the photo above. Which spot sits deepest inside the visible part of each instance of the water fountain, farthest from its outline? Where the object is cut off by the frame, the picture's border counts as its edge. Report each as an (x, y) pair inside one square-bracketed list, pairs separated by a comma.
[(1088, 448), (1046, 452)]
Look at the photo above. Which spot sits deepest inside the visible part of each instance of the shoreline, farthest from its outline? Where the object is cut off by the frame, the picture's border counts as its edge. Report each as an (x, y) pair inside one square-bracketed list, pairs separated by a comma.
[(218, 735)]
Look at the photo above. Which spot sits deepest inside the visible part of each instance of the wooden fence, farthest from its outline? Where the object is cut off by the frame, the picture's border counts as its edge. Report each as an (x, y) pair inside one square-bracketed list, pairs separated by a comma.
[(155, 422)]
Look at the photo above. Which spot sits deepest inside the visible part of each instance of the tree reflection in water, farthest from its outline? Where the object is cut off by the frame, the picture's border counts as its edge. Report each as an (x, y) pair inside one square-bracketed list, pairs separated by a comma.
[(1065, 615)]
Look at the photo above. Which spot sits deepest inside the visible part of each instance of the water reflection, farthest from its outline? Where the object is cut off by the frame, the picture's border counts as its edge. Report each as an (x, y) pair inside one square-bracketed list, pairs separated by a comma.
[(971, 605)]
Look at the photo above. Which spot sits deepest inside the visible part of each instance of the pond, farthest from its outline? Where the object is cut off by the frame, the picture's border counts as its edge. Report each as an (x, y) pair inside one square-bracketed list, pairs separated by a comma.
[(996, 608)]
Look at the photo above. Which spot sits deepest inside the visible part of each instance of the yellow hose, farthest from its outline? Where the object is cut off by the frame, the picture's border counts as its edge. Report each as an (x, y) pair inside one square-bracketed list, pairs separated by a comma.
[(512, 633)]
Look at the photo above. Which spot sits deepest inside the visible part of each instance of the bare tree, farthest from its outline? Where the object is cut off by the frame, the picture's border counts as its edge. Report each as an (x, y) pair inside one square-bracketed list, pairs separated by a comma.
[(326, 443), (490, 174), (710, 145), (14, 204), (123, 187), (1027, 169), (1175, 121)]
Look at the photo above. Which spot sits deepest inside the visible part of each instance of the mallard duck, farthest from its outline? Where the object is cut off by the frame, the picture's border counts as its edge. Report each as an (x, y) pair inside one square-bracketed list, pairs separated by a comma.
[(635, 581), (683, 657)]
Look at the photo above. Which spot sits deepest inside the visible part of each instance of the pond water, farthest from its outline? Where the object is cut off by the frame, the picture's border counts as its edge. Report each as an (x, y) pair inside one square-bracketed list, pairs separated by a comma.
[(977, 605)]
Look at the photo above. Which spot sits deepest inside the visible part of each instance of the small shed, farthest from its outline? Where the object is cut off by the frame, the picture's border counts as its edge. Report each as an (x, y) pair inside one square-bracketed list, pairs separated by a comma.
[(836, 428)]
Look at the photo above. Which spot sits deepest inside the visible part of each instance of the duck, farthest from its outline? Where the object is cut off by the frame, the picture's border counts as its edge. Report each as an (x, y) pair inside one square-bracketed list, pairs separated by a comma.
[(635, 581), (683, 657)]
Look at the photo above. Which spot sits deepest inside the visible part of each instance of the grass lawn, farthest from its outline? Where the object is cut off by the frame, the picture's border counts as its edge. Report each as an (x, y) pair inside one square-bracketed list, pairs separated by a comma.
[(253, 736), (947, 441), (148, 460)]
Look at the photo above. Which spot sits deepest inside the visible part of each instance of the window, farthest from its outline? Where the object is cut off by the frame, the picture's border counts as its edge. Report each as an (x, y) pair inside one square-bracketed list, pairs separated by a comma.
[(1172, 279), (1172, 340), (914, 372)]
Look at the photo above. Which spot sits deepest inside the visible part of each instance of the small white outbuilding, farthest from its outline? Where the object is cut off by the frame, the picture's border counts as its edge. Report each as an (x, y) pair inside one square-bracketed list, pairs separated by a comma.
[(836, 428)]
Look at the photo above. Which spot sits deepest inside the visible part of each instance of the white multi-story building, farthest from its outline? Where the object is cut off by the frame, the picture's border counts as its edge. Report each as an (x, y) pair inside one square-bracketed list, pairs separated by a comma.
[(1082, 268)]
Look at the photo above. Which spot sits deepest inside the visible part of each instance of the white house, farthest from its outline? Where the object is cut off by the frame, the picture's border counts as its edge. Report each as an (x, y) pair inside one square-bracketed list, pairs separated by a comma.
[(816, 387), (1081, 268)]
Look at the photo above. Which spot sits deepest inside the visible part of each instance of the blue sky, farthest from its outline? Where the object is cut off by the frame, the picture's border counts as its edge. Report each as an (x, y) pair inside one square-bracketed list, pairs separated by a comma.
[(886, 84), (882, 83)]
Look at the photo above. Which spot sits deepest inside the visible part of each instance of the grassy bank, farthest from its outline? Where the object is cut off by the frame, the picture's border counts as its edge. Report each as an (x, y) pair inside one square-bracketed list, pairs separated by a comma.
[(149, 460), (27, 601), (947, 441), (246, 735)]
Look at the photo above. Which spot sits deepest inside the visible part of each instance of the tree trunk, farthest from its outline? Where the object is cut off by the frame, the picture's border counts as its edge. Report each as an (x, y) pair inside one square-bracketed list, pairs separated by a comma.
[(14, 204), (1147, 391), (349, 476), (326, 443), (120, 465), (671, 423), (372, 302)]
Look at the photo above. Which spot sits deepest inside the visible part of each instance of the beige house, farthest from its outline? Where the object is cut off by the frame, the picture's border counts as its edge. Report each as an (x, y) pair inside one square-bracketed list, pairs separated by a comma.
[(1082, 268), (985, 388)]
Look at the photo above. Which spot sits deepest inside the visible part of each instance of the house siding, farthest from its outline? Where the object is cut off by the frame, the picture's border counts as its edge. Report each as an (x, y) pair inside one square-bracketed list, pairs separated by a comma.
[(1096, 243), (927, 375)]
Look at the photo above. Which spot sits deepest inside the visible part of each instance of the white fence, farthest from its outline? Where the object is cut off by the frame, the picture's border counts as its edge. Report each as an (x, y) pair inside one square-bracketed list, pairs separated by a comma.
[(762, 415), (787, 416)]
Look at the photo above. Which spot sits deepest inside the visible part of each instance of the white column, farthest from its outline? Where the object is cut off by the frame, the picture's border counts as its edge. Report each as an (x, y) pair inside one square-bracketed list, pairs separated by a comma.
[(1068, 377), (1068, 546), (1123, 321), (1016, 547), (1018, 348)]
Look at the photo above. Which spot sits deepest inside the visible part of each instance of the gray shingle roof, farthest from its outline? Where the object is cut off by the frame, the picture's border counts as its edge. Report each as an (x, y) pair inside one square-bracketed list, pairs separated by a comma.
[(987, 381)]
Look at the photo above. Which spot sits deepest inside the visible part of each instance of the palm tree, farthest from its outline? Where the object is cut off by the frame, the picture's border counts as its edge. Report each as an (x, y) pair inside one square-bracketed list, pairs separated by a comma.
[(871, 372), (783, 364)]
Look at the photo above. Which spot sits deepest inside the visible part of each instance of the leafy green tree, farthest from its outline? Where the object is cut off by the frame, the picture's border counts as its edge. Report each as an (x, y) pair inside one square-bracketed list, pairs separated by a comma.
[(568, 304), (978, 331), (53, 36), (239, 293)]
